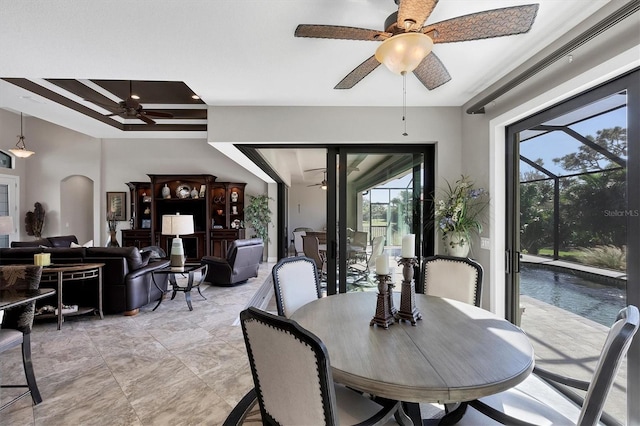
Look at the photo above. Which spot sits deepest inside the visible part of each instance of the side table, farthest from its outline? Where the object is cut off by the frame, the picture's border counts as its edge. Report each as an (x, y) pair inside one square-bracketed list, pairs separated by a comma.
[(191, 269), (62, 273)]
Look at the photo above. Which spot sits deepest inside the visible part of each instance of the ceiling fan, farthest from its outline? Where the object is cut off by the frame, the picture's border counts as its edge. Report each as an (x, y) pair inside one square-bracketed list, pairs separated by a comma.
[(410, 18), (323, 184), (130, 107)]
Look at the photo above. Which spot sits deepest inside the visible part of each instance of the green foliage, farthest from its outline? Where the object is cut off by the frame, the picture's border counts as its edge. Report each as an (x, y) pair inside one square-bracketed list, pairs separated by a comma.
[(593, 206), (608, 256), (536, 215), (258, 215), (34, 221)]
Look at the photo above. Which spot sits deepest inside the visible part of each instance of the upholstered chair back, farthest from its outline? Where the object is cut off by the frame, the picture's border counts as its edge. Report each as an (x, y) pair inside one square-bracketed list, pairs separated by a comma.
[(295, 283), (311, 248), (20, 277), (291, 371), (454, 278)]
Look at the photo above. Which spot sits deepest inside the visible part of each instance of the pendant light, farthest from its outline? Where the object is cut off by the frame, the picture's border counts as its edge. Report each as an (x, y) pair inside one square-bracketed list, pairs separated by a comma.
[(21, 149), (402, 53)]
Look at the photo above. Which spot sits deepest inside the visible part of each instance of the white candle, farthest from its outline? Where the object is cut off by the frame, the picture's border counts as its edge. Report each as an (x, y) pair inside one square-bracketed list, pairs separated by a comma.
[(408, 245), (382, 264)]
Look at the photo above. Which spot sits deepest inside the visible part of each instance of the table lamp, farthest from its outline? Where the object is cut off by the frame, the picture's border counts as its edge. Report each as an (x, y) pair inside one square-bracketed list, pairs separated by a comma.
[(176, 224)]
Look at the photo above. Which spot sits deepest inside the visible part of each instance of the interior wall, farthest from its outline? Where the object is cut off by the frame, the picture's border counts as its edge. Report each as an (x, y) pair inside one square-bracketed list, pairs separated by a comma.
[(76, 211), (59, 153), (341, 125), (109, 163), (130, 160), (307, 208)]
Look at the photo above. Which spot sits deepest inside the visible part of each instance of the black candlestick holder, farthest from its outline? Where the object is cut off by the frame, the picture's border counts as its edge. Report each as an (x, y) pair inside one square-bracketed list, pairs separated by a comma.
[(383, 317), (408, 310)]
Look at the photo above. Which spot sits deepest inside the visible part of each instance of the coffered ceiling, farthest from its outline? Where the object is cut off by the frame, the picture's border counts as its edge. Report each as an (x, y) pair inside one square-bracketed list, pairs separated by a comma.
[(232, 53), (159, 105)]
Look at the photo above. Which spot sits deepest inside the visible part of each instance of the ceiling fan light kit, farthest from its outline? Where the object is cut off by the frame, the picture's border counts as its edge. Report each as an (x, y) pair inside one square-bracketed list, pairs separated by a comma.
[(21, 149), (407, 39), (403, 53)]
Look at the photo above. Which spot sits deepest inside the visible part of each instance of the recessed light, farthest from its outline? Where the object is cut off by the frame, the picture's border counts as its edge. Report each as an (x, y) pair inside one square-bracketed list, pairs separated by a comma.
[(195, 97)]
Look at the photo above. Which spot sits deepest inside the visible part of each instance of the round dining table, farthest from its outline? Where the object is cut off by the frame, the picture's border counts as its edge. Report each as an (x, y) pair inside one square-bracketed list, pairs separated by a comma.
[(457, 352)]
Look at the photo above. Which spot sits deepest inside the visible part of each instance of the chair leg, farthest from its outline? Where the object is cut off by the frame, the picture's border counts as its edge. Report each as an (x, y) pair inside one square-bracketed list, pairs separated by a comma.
[(28, 369)]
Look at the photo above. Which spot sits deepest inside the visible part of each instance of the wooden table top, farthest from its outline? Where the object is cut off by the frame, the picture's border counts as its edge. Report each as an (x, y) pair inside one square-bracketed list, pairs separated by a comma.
[(70, 267), (457, 352)]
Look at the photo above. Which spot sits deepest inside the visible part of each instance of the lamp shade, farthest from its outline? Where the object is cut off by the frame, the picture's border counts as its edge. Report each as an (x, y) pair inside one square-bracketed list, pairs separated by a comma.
[(6, 225), (176, 224), (403, 52)]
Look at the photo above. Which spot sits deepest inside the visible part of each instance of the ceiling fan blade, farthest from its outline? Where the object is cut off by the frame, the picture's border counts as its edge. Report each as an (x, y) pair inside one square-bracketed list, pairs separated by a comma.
[(340, 32), (431, 72), (490, 23), (358, 73), (160, 114), (413, 13), (145, 118)]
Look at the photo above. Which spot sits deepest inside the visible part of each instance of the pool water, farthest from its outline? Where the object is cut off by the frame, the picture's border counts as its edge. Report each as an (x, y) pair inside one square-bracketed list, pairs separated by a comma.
[(598, 302)]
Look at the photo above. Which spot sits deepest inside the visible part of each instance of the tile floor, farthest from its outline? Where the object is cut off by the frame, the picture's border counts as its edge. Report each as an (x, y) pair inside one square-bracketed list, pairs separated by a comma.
[(168, 367), (176, 367)]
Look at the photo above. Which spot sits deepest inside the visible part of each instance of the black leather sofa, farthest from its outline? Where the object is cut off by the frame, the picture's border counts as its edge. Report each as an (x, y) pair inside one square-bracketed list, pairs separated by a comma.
[(127, 283), (242, 262)]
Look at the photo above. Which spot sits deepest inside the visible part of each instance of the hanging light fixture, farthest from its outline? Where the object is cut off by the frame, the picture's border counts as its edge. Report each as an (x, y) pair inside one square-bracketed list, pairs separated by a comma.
[(21, 149), (402, 53)]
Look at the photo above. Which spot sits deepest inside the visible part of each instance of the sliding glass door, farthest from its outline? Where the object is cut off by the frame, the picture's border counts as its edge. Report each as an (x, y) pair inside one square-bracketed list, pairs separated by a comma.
[(379, 199), (574, 221)]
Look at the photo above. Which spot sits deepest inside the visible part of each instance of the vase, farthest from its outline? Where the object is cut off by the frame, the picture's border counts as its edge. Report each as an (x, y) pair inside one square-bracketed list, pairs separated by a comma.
[(113, 242), (166, 192), (456, 244)]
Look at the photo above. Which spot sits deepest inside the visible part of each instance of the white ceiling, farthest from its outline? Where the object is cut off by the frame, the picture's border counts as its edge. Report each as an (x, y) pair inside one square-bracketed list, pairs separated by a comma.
[(243, 52)]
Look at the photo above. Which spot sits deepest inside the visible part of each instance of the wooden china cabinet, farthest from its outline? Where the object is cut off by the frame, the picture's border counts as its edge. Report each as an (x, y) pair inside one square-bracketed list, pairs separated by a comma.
[(217, 209), (140, 233)]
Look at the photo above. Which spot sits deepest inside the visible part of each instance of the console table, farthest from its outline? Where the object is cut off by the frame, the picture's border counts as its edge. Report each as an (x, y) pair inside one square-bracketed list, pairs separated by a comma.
[(61, 274)]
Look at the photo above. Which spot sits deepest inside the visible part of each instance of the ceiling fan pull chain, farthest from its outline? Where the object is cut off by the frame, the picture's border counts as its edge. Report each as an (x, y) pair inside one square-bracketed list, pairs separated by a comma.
[(404, 102)]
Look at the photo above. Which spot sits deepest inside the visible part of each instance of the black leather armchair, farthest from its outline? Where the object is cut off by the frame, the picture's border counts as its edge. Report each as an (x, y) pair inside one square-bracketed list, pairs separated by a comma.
[(242, 262)]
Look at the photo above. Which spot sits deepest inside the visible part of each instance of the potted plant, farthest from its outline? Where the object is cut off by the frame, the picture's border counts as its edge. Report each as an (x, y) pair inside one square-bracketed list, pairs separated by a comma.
[(457, 214), (258, 215)]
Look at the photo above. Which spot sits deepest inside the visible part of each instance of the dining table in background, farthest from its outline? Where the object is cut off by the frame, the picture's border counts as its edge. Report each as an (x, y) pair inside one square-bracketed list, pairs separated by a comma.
[(457, 352), (10, 298)]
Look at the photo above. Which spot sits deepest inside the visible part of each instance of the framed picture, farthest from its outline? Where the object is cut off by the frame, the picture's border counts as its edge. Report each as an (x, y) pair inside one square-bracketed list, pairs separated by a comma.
[(146, 223), (117, 205)]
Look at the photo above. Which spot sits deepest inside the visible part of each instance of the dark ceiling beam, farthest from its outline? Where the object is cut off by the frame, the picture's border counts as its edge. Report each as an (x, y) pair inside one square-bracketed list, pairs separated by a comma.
[(56, 97)]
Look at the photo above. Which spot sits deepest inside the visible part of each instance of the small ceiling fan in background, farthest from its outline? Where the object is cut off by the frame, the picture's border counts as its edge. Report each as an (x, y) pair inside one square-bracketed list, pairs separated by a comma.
[(130, 107), (323, 184), (409, 22)]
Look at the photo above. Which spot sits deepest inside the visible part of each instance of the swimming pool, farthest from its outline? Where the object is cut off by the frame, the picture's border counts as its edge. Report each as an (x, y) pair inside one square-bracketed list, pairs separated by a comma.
[(583, 296)]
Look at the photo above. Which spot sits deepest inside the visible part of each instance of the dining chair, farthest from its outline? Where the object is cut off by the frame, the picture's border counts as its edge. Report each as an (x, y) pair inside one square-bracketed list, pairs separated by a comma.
[(295, 283), (311, 248), (357, 247), (544, 399), (15, 329), (361, 271), (298, 233), (293, 380), (458, 278)]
